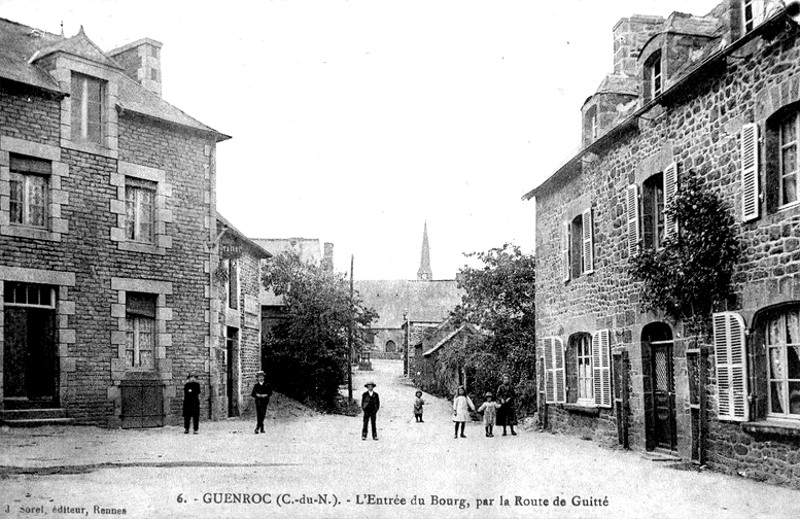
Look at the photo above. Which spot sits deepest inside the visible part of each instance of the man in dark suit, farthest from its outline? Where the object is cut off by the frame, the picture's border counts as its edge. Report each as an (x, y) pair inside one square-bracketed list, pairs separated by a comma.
[(191, 403), (261, 392), (370, 403)]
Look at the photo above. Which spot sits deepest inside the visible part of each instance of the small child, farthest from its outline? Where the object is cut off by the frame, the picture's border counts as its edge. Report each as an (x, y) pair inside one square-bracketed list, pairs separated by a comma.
[(489, 409), (461, 406), (418, 403)]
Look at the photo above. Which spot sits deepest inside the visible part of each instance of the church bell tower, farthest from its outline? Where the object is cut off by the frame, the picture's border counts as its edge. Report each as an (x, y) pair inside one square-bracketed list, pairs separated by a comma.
[(424, 273)]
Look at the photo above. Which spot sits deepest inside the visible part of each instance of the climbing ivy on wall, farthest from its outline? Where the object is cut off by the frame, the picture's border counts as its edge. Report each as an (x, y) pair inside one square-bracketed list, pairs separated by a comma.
[(689, 277)]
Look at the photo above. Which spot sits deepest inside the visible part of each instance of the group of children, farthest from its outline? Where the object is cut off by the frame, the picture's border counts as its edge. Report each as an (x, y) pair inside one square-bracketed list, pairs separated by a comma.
[(461, 406)]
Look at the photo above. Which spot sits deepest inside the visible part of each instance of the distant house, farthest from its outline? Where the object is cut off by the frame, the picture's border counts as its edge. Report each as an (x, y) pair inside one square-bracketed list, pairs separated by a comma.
[(429, 375)]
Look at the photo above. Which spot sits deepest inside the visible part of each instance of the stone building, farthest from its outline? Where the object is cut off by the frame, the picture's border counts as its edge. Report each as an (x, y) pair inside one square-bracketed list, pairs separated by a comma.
[(237, 344), (407, 307), (717, 97), (107, 207), (429, 375)]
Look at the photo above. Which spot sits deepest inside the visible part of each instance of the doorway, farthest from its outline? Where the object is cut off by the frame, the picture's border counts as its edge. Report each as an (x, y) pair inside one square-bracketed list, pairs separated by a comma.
[(232, 375), (30, 354), (657, 352)]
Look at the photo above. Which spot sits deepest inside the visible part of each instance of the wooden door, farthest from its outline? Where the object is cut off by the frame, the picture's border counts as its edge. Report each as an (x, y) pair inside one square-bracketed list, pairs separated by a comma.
[(30, 360), (663, 394)]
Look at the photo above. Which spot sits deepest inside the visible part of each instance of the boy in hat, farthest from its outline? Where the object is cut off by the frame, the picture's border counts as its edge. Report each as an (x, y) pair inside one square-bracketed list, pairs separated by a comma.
[(370, 403), (261, 392), (191, 403)]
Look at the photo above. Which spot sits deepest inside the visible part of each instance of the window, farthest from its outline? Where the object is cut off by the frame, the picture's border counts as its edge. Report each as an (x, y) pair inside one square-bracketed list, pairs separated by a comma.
[(391, 347), (747, 15), (656, 77), (588, 369), (28, 190), (653, 211), (783, 364), (584, 360), (29, 295), (231, 267), (140, 317), (788, 160), (139, 209), (578, 246), (87, 108), (653, 77)]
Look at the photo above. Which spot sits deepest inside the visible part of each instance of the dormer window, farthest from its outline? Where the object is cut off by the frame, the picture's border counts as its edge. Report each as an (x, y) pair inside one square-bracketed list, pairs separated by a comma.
[(87, 108), (655, 76), (748, 18)]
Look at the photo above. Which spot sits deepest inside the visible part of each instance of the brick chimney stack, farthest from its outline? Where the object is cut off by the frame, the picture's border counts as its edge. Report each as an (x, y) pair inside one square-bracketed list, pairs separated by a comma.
[(141, 61), (327, 256)]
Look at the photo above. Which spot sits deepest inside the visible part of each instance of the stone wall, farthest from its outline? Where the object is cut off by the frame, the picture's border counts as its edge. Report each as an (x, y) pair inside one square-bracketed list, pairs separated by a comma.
[(86, 191), (700, 130)]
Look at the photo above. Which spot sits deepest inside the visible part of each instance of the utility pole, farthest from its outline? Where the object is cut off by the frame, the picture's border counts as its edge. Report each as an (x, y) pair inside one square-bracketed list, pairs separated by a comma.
[(350, 339)]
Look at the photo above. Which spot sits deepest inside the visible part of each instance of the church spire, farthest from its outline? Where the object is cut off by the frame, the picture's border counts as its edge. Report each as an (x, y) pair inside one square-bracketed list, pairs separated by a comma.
[(424, 273)]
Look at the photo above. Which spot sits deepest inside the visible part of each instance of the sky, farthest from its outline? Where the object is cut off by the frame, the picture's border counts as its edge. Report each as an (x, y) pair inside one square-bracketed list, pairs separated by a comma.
[(355, 122)]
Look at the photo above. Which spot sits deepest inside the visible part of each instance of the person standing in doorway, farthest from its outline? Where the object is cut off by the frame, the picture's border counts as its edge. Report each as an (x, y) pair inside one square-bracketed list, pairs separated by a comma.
[(506, 414), (370, 403), (262, 393), (191, 403)]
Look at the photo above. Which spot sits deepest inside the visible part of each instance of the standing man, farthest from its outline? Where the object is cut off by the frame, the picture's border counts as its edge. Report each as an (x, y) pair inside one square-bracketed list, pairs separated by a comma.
[(261, 392), (506, 413), (370, 403), (191, 403)]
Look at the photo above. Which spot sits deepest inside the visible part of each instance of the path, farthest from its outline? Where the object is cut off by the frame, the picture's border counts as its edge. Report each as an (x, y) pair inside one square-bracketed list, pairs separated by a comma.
[(147, 472)]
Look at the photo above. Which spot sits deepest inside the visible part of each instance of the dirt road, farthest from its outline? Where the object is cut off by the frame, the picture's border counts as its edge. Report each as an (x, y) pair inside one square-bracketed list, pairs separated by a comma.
[(312, 465)]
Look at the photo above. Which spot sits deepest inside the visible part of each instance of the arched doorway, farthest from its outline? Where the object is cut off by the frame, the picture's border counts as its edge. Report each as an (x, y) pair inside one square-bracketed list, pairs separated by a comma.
[(657, 361), (391, 347)]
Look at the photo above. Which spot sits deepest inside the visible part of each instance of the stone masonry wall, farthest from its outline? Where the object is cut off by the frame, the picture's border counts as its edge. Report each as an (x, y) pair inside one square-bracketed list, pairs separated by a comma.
[(90, 395), (701, 132)]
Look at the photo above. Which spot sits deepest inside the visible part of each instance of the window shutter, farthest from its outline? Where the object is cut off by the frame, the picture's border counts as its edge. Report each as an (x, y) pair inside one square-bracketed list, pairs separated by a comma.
[(601, 368), (565, 228), (559, 373), (749, 172), (670, 189), (731, 358), (632, 210), (588, 245), (549, 379)]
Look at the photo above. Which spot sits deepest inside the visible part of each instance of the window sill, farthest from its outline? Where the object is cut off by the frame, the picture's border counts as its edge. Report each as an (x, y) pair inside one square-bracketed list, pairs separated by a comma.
[(90, 147), (29, 232), (140, 247), (582, 409), (782, 428)]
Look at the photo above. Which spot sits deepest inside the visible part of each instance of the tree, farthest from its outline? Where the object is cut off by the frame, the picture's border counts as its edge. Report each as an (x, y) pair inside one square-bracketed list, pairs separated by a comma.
[(307, 351), (499, 299), (690, 275)]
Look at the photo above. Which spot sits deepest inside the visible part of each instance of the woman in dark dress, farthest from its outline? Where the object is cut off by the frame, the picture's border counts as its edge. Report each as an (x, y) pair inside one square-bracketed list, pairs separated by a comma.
[(506, 414)]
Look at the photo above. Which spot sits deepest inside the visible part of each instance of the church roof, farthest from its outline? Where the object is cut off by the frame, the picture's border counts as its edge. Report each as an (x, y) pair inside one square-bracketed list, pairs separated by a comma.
[(424, 301)]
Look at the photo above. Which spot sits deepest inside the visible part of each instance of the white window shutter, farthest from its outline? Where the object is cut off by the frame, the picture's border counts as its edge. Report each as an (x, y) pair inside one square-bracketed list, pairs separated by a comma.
[(670, 190), (565, 242), (588, 242), (632, 210), (758, 12), (750, 205), (559, 373), (731, 360), (549, 379), (601, 368)]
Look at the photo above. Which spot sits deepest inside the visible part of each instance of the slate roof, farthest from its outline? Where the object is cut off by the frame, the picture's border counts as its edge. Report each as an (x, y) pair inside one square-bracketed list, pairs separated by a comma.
[(258, 250), (425, 301), (466, 327), (23, 46)]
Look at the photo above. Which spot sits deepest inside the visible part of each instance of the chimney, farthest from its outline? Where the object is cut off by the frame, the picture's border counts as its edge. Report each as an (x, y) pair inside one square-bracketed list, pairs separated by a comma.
[(327, 256), (630, 35), (141, 61)]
